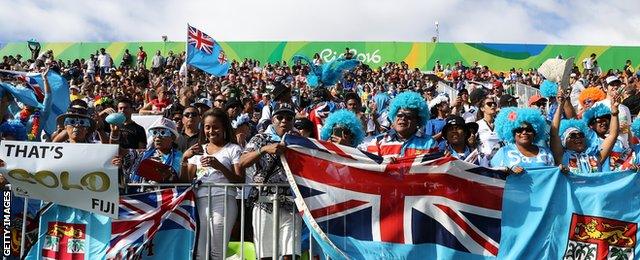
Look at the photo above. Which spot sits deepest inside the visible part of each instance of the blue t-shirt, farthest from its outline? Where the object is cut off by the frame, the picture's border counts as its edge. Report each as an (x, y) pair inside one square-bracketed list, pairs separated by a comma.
[(509, 156), (585, 162), (434, 126), (618, 154)]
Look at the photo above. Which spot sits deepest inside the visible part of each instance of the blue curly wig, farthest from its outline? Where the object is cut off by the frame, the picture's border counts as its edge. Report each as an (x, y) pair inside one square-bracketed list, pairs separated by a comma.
[(344, 118), (510, 118), (548, 89), (409, 100), (574, 123), (635, 127), (594, 112), (14, 128)]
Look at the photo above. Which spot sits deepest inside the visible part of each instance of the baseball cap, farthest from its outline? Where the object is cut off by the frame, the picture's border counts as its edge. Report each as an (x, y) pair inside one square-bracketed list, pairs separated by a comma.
[(535, 98), (612, 79), (459, 121), (203, 102), (283, 108)]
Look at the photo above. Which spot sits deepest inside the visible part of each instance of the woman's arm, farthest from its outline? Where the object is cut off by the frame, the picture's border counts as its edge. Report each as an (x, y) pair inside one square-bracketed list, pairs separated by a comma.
[(614, 128), (556, 144)]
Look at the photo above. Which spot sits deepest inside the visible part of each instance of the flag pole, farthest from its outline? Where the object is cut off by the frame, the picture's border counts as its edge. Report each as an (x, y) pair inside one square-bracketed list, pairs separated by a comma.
[(186, 55)]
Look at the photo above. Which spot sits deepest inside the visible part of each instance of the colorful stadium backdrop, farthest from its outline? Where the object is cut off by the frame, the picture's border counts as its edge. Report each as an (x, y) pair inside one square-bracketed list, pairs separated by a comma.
[(500, 57)]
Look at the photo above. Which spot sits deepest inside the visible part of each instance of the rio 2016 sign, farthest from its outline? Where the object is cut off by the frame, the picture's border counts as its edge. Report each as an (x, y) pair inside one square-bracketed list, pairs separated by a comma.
[(329, 55), (75, 175)]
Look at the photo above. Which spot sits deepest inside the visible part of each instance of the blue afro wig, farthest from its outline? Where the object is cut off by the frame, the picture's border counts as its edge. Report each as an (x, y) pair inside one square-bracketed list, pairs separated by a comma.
[(409, 100), (548, 89), (510, 118), (594, 112), (635, 127), (574, 123), (14, 128), (346, 119)]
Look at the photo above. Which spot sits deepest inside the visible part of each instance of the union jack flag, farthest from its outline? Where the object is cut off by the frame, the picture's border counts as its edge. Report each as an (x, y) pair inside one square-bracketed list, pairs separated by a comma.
[(408, 207), (200, 40), (142, 216)]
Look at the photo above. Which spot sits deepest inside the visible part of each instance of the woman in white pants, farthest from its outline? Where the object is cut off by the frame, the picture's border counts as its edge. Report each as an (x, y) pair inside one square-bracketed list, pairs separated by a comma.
[(217, 162)]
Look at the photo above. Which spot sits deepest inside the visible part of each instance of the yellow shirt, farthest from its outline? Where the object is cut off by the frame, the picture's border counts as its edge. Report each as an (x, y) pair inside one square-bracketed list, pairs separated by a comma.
[(73, 97)]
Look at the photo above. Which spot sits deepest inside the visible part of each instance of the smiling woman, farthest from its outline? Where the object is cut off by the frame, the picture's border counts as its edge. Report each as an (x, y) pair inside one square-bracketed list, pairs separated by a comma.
[(522, 128)]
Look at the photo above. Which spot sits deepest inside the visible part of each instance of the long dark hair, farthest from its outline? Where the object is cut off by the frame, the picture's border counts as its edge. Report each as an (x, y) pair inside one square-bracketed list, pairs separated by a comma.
[(229, 137), (480, 105)]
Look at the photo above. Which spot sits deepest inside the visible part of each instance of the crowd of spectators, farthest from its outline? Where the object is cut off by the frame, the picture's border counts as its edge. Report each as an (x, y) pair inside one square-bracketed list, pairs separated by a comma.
[(229, 129)]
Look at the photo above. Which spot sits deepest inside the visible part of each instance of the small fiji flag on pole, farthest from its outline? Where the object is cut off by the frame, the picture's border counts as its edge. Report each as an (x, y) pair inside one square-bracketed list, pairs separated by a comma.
[(205, 53)]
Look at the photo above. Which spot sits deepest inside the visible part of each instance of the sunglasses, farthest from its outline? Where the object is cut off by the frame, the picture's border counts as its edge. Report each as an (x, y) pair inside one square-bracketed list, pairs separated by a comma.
[(491, 104), (190, 114), (77, 121), (160, 132), (576, 135), (407, 116), (221, 100), (281, 118), (602, 121), (522, 130), (340, 131)]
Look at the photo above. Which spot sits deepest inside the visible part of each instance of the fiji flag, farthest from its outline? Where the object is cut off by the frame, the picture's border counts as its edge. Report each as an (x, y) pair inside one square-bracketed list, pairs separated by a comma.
[(362, 206), (154, 225), (549, 215), (68, 233), (205, 53), (30, 91)]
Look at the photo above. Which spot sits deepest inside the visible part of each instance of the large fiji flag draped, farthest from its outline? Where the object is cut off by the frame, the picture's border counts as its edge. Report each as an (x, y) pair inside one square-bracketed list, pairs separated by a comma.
[(361, 206), (204, 53), (153, 225), (549, 215), (30, 91)]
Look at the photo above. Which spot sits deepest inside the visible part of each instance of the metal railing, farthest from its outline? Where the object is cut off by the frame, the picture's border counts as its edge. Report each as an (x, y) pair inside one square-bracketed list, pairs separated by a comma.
[(242, 187), (522, 91)]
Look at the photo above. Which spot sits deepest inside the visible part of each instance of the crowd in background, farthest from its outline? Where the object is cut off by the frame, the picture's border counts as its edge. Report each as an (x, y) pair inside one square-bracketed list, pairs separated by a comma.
[(230, 129)]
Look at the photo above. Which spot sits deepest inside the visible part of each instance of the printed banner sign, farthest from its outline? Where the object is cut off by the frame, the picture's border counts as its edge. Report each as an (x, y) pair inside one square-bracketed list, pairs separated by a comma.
[(75, 175)]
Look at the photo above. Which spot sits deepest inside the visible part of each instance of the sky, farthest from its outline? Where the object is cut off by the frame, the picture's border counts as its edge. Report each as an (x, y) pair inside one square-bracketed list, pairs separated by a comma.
[(583, 22)]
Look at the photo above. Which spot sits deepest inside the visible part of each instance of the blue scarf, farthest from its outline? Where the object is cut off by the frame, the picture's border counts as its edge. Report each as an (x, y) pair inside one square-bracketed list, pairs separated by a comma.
[(271, 131)]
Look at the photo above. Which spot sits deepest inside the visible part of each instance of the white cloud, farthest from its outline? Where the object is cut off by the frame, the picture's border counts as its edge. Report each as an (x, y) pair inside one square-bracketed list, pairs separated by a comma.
[(521, 21)]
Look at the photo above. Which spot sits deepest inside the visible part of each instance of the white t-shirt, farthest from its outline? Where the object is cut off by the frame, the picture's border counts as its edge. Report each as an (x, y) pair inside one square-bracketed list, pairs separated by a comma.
[(104, 60), (625, 121), (91, 66), (587, 63), (228, 156), (489, 140)]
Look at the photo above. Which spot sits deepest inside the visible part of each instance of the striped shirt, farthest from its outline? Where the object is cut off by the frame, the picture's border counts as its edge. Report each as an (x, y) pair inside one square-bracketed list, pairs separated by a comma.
[(390, 145)]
